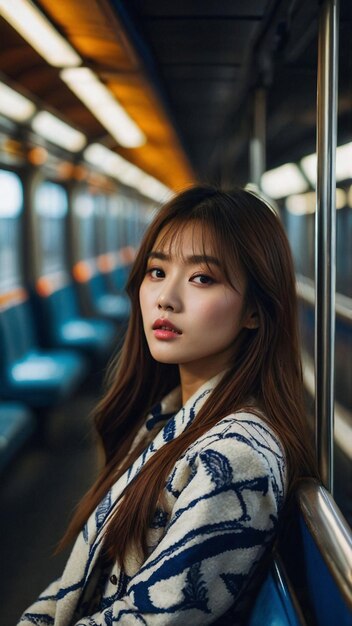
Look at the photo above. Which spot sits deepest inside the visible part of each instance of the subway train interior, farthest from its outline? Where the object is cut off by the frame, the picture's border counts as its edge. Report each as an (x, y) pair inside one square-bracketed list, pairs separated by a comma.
[(107, 107)]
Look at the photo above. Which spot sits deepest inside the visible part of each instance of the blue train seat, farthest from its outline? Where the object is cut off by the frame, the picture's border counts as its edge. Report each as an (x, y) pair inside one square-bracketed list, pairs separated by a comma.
[(116, 267), (113, 306), (325, 544), (276, 604), (16, 425), (119, 276), (98, 230), (37, 377), (65, 326), (310, 581), (62, 324)]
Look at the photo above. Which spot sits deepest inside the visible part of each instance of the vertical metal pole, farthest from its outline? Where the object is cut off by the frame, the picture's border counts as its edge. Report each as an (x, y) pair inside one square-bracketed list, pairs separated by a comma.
[(325, 243), (257, 146)]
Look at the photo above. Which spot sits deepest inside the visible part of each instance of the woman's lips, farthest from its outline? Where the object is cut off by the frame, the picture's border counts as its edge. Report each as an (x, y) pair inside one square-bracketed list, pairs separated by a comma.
[(164, 329)]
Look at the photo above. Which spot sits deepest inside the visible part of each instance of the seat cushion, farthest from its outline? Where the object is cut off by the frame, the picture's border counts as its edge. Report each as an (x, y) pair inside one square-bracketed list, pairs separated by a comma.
[(43, 378), (113, 306), (96, 337)]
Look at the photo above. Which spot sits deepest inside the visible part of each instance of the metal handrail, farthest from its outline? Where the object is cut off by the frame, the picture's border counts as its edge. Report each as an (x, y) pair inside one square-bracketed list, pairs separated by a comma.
[(330, 532), (325, 236), (306, 292), (283, 583)]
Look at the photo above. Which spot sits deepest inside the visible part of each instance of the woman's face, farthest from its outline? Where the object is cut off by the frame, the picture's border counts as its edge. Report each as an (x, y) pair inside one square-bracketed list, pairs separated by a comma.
[(191, 315)]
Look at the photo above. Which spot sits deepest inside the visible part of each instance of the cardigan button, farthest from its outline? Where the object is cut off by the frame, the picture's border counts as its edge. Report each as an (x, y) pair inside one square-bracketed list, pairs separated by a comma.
[(113, 579)]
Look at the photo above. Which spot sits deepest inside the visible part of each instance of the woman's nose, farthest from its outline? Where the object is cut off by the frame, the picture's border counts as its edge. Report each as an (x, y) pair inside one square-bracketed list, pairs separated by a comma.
[(169, 300), (164, 306)]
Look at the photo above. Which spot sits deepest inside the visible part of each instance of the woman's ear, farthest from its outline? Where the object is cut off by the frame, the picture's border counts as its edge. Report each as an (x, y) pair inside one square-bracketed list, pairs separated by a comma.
[(251, 320)]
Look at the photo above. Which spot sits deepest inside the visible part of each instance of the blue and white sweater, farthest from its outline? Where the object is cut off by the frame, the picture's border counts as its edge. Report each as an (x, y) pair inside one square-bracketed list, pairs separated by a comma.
[(220, 511)]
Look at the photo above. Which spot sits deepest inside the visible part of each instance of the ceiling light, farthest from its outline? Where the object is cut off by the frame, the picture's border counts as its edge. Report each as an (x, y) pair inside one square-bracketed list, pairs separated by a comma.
[(14, 105), (56, 131), (341, 198), (107, 161), (153, 188), (301, 204), (349, 197), (104, 106), (112, 164), (344, 162), (34, 27), (309, 166), (283, 181), (305, 203), (127, 173)]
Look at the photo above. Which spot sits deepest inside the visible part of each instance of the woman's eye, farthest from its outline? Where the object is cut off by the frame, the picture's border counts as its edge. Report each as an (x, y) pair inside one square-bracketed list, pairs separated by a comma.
[(156, 272), (203, 279)]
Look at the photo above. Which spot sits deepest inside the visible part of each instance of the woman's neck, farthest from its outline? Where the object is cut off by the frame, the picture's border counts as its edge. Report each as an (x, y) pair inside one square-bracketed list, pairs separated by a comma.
[(192, 380)]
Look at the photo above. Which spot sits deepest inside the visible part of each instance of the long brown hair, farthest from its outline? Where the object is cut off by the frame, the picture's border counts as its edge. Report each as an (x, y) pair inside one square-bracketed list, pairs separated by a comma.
[(246, 234)]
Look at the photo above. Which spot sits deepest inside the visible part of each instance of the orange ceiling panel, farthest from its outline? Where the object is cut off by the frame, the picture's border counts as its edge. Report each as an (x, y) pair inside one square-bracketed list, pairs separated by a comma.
[(95, 31), (92, 29)]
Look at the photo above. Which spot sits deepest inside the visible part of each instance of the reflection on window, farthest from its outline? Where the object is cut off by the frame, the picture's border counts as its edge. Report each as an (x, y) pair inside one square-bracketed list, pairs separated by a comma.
[(51, 200), (114, 227), (11, 204), (84, 210), (50, 209), (11, 197)]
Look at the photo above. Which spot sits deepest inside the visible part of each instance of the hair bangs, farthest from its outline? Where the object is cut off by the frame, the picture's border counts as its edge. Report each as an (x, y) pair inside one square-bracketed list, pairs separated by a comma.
[(209, 239)]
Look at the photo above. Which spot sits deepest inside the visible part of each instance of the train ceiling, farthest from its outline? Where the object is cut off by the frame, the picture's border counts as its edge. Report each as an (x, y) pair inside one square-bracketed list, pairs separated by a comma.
[(186, 71)]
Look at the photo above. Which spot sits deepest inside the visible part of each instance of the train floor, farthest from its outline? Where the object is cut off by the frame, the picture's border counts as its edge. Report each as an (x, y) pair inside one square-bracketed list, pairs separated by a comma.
[(38, 493)]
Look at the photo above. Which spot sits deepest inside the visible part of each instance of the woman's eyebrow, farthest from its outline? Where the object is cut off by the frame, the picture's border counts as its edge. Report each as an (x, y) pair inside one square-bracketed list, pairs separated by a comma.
[(202, 258), (158, 255), (191, 260)]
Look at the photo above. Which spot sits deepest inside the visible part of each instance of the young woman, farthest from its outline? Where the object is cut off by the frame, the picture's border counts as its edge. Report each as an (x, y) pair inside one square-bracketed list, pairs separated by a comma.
[(203, 426)]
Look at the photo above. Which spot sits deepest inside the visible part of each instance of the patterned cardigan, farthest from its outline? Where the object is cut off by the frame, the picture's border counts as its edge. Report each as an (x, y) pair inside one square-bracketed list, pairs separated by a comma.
[(220, 511)]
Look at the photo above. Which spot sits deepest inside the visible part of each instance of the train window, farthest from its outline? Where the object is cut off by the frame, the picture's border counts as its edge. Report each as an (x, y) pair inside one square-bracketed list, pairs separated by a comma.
[(101, 209), (50, 207), (114, 223), (125, 225), (11, 199), (11, 206), (84, 207), (51, 200), (130, 223)]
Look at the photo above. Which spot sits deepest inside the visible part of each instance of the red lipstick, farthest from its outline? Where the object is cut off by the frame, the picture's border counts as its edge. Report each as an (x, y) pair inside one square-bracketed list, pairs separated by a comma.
[(164, 329)]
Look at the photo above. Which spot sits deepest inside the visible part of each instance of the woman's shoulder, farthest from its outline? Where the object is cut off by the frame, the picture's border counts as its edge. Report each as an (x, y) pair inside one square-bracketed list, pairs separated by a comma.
[(247, 440), (252, 425), (247, 425), (240, 452)]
